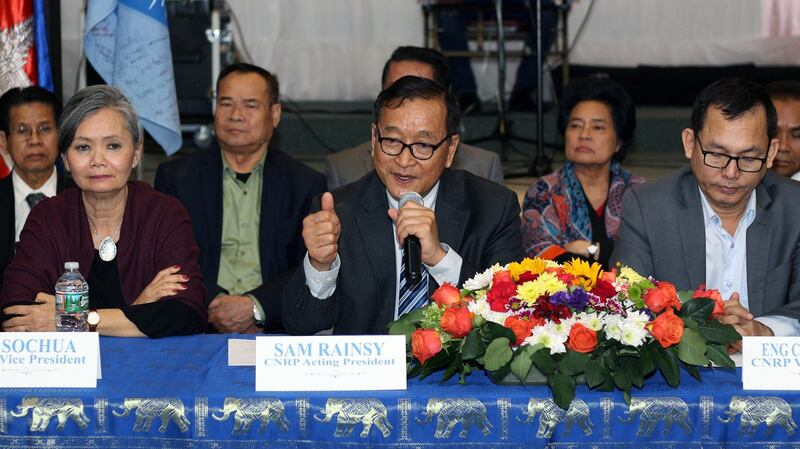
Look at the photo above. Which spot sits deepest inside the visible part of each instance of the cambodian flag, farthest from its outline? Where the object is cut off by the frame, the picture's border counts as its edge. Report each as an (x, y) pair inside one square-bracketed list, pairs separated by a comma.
[(127, 42), (24, 57)]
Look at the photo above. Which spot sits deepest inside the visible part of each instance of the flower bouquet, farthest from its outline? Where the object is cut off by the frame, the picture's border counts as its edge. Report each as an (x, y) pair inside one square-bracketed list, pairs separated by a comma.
[(573, 321)]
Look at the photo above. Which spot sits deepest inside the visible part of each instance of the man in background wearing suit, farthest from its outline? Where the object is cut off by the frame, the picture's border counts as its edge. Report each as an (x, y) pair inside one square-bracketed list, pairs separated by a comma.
[(726, 221), (28, 131), (352, 278), (785, 96), (348, 165), (246, 201)]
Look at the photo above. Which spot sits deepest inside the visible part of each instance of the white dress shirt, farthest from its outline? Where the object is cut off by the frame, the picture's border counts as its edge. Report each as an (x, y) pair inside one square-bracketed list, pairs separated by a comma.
[(21, 191), (796, 176), (726, 263), (322, 284)]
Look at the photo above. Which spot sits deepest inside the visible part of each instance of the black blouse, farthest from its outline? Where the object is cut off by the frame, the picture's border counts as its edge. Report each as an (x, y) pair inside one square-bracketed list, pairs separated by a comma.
[(599, 235), (156, 319)]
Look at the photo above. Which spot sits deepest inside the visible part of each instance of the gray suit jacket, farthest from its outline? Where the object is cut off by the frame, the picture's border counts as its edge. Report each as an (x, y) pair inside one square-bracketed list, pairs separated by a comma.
[(662, 234), (475, 217), (349, 165)]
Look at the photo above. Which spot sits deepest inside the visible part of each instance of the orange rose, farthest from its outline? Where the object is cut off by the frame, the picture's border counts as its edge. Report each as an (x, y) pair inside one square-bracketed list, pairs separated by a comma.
[(447, 295), (719, 304), (457, 321), (609, 276), (667, 328), (425, 343), (661, 297), (581, 339), (521, 328)]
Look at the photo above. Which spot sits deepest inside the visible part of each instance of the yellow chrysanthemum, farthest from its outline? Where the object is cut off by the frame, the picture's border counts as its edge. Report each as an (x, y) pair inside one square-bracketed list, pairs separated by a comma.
[(585, 274), (546, 283), (535, 266), (629, 275)]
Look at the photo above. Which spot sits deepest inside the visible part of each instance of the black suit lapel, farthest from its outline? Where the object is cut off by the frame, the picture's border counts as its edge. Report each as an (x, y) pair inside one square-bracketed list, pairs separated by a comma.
[(691, 233), (452, 212), (275, 203), (211, 186), (63, 182), (7, 223), (375, 229), (759, 235)]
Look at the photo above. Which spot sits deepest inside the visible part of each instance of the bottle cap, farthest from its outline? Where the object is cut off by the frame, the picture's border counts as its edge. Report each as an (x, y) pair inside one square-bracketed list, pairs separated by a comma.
[(71, 265)]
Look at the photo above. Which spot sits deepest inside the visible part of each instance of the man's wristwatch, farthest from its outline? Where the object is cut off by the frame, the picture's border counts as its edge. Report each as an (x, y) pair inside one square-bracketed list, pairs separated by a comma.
[(594, 250), (258, 313), (93, 319)]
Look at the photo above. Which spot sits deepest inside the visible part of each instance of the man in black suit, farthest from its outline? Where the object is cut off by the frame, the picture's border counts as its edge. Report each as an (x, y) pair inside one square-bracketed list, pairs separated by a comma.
[(28, 118), (352, 277), (246, 202)]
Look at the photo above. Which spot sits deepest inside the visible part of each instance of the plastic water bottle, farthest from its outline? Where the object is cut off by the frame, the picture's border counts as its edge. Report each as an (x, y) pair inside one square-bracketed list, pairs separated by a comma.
[(72, 300)]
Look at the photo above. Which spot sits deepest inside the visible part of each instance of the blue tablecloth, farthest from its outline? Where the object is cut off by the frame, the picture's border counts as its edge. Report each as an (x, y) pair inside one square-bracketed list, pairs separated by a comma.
[(170, 393)]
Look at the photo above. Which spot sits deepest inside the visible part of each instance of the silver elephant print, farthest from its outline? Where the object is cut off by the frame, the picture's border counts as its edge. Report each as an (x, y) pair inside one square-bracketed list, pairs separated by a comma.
[(753, 411), (247, 410), (651, 411), (550, 415), (367, 411), (451, 411), (148, 409), (44, 409)]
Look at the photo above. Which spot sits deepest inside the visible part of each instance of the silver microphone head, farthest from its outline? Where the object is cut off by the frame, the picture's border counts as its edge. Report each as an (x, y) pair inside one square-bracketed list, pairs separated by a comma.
[(413, 197)]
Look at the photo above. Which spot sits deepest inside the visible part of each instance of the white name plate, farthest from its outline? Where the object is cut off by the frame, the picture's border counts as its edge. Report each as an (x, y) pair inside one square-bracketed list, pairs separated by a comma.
[(327, 363), (771, 363), (49, 359)]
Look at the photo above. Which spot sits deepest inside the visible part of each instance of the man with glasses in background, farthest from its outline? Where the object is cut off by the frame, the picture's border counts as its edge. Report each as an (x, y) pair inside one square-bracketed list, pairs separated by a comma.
[(353, 277), (28, 130), (725, 221)]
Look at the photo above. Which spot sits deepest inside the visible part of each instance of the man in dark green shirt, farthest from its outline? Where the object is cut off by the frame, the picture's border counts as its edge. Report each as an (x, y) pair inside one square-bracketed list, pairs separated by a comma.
[(247, 203)]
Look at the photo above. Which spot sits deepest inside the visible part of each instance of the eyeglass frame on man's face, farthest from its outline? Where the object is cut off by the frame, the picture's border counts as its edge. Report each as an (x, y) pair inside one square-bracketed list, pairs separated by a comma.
[(410, 146), (26, 132), (729, 159)]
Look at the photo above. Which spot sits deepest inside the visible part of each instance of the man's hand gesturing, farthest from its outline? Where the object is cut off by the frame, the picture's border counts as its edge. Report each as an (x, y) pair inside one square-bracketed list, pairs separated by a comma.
[(321, 235)]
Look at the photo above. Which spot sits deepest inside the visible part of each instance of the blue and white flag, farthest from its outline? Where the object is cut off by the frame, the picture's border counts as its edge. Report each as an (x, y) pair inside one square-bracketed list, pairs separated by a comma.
[(127, 42)]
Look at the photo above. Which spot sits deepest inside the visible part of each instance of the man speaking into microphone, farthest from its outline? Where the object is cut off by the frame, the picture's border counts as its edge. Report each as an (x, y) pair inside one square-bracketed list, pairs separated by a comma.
[(355, 276)]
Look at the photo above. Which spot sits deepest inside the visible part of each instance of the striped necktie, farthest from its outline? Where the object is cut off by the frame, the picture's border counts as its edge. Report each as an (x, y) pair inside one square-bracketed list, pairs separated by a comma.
[(34, 198), (412, 297)]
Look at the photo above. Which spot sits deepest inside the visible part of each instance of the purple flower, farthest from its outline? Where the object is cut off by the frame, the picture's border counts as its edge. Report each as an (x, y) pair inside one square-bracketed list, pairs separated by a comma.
[(578, 299), (559, 298)]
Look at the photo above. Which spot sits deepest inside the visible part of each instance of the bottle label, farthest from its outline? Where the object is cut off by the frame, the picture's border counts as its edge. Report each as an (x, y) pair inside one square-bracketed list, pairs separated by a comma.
[(72, 302)]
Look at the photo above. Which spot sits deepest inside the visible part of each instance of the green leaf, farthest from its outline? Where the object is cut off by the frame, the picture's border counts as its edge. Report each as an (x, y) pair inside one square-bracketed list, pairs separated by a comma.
[(522, 362), (719, 355), (437, 362), (694, 371), (698, 309), (454, 367), (667, 364), (646, 363), (501, 373), (563, 388), (493, 331), (498, 353), (622, 378), (716, 332), (596, 373), (544, 361), (401, 327), (685, 296), (632, 366), (689, 323), (573, 363), (472, 347), (610, 359), (692, 348)]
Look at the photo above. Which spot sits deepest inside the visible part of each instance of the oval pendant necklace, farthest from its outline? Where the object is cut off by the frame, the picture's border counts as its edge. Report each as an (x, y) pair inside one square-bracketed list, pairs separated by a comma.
[(107, 248)]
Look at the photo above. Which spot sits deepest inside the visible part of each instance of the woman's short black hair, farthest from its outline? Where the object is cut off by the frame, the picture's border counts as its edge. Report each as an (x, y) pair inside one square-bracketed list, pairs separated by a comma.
[(605, 90)]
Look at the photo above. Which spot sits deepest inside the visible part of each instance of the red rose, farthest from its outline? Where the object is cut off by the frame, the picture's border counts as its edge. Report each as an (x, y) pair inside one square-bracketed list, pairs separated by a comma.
[(667, 328), (581, 339), (604, 289), (661, 297), (456, 321), (447, 295), (521, 328), (719, 304), (503, 288), (425, 343), (527, 277)]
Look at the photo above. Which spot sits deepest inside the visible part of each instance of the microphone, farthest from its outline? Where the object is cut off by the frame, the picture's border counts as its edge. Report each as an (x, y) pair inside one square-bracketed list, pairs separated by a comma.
[(413, 254)]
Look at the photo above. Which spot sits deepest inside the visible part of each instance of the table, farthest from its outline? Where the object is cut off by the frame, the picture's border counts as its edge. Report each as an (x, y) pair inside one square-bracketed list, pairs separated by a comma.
[(171, 393)]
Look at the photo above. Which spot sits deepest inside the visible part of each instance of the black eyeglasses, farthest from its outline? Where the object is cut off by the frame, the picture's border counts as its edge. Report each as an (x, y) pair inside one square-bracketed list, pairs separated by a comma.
[(421, 151), (24, 132), (747, 164)]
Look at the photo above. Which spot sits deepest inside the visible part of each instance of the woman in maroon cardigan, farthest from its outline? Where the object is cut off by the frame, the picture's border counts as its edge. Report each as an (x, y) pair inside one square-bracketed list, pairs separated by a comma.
[(134, 245)]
